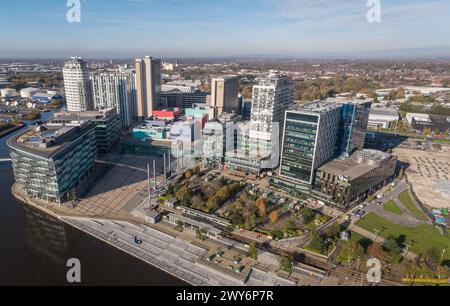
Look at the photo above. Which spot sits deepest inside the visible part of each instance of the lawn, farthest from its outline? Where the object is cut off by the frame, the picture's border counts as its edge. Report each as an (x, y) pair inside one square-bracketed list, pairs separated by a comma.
[(420, 238), (406, 200), (392, 208)]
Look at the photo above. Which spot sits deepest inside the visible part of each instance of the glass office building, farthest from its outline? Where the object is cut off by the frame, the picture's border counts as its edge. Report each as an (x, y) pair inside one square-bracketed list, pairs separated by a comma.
[(54, 163), (299, 145), (352, 127)]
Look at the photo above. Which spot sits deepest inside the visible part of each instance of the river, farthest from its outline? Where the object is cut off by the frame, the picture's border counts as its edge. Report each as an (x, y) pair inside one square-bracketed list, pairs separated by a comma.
[(34, 248)]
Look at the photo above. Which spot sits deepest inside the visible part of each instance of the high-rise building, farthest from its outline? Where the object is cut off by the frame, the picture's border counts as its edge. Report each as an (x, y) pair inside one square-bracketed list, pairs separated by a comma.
[(260, 150), (54, 163), (224, 95), (309, 141), (272, 96), (148, 85), (77, 85), (116, 90), (353, 126)]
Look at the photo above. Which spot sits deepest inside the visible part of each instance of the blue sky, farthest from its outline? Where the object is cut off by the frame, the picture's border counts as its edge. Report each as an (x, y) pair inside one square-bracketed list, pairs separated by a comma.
[(179, 28)]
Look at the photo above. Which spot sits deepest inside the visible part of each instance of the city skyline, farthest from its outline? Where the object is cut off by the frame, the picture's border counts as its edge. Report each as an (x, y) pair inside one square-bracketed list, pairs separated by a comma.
[(127, 28)]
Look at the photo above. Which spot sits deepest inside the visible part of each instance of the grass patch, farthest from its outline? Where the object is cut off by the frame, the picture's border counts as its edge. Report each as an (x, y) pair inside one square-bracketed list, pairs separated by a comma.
[(421, 238), (393, 208), (406, 200), (441, 141)]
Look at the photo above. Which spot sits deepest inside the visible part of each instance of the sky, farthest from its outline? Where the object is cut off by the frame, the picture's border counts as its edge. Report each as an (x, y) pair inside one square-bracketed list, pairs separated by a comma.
[(223, 28)]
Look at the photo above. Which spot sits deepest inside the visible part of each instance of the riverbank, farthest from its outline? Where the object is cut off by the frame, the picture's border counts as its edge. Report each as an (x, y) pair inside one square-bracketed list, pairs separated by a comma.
[(36, 247), (11, 130), (173, 255)]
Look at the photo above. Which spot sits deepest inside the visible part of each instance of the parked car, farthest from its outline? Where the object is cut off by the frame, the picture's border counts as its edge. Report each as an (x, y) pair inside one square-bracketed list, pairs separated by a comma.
[(359, 213)]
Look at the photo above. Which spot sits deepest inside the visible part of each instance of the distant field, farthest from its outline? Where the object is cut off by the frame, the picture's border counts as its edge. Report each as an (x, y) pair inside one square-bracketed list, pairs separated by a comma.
[(393, 208), (420, 238), (406, 200)]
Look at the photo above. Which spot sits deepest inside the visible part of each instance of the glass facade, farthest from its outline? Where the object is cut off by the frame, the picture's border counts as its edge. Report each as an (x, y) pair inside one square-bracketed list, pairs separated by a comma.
[(299, 145), (352, 127), (53, 178)]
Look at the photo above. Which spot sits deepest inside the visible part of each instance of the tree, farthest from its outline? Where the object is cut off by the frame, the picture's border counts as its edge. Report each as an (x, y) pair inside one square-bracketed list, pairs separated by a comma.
[(250, 222), (201, 234), (197, 201), (274, 217), (197, 170), (391, 245), (334, 230), (308, 214), (285, 264), (188, 174), (183, 195), (262, 207), (179, 226), (376, 250), (318, 243), (253, 251)]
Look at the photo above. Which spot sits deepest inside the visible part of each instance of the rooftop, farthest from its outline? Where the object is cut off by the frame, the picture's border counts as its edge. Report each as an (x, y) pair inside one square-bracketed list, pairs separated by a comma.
[(384, 112), (48, 140), (76, 118), (317, 107), (356, 165)]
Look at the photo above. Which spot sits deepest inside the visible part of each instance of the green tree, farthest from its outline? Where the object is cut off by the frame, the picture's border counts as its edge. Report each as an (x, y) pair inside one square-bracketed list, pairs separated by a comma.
[(391, 245), (318, 243), (179, 226), (285, 264), (253, 251)]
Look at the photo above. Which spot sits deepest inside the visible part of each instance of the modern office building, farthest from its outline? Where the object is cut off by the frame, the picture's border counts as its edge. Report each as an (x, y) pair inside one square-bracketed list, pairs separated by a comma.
[(215, 135), (148, 85), (77, 85), (116, 90), (177, 98), (309, 141), (436, 124), (184, 87), (224, 95), (54, 163), (352, 126), (187, 131), (345, 180), (151, 130), (382, 117), (107, 123), (247, 109)]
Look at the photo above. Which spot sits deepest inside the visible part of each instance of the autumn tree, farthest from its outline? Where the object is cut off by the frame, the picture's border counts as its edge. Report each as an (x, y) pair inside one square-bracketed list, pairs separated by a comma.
[(274, 217), (375, 250), (262, 207)]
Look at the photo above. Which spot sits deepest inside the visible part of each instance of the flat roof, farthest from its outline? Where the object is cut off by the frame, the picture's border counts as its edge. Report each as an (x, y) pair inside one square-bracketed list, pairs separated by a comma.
[(356, 165), (48, 140)]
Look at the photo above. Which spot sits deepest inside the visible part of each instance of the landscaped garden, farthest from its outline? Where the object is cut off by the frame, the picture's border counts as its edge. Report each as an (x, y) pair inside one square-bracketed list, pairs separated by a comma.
[(202, 192), (272, 216)]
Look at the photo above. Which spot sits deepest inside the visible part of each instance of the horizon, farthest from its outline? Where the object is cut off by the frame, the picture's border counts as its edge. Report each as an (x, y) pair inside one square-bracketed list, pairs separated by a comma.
[(226, 29)]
